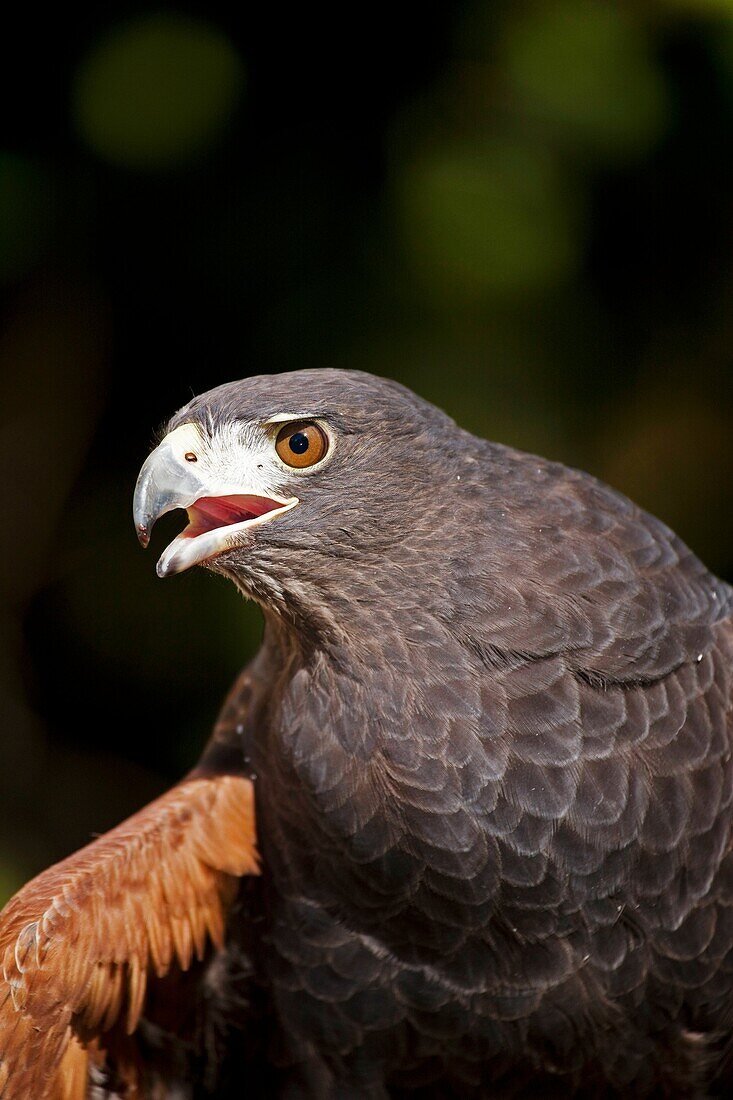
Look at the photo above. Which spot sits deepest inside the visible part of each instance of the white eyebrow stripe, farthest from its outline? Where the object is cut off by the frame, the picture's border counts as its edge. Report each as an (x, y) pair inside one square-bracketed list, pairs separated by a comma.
[(282, 418)]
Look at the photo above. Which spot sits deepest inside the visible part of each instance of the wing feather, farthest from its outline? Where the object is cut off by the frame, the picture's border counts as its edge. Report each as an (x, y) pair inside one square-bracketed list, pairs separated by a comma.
[(79, 942)]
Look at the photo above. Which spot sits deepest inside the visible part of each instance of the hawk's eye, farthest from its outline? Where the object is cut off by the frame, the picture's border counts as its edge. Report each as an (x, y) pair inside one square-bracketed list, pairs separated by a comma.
[(301, 445)]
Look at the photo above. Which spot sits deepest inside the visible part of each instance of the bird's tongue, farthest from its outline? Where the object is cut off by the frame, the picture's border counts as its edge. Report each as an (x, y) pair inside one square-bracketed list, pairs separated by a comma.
[(209, 513)]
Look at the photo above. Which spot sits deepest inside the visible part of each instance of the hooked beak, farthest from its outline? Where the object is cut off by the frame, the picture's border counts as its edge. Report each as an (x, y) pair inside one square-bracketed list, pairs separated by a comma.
[(177, 475)]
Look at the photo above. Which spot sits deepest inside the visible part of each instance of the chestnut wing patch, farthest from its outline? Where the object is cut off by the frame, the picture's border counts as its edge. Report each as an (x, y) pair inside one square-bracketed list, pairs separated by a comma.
[(80, 942)]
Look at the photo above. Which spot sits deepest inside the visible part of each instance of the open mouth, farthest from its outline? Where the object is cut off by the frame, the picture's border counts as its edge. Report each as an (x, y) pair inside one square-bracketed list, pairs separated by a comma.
[(215, 524)]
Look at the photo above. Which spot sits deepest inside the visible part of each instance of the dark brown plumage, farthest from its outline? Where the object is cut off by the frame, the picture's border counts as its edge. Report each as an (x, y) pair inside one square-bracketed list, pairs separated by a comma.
[(491, 728)]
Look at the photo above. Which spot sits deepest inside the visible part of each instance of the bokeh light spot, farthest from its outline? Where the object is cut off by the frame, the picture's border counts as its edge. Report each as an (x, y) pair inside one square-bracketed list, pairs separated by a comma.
[(156, 92), (488, 222), (586, 71)]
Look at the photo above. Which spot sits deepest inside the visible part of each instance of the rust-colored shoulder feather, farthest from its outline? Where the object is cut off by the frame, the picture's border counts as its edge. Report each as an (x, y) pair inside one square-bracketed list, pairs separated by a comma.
[(79, 943)]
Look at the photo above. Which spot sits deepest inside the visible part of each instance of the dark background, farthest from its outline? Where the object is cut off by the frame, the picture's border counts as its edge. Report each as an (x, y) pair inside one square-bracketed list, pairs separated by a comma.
[(522, 210)]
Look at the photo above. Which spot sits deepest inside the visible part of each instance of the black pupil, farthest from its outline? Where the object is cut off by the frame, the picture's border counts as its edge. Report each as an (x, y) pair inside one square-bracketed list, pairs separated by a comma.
[(299, 443)]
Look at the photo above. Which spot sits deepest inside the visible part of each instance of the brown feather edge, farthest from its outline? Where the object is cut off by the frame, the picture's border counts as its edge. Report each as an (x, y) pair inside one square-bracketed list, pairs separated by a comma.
[(78, 941)]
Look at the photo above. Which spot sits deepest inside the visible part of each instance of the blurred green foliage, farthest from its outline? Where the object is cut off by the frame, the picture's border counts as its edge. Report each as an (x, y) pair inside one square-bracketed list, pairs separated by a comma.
[(156, 91), (488, 223), (587, 73), (522, 210)]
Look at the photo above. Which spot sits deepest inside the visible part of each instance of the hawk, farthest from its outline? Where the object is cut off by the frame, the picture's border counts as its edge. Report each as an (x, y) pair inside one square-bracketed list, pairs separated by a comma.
[(463, 827)]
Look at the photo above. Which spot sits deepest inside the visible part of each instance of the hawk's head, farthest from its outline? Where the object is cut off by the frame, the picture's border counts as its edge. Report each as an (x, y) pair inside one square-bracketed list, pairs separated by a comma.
[(293, 480)]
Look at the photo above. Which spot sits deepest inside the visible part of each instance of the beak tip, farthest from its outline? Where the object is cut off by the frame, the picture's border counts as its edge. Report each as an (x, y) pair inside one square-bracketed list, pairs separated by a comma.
[(166, 565), (143, 534), (163, 568)]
